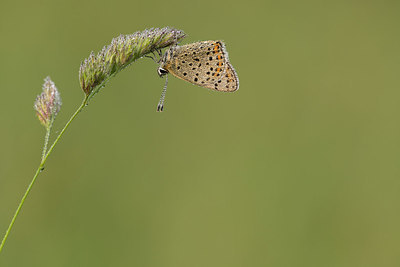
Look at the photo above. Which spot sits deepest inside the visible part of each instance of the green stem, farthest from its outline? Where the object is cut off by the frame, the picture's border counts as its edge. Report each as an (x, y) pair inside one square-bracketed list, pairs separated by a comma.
[(19, 207), (39, 169), (46, 139), (84, 102)]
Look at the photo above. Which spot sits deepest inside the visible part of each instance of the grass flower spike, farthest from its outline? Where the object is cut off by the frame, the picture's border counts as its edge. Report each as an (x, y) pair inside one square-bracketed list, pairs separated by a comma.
[(123, 50), (48, 103)]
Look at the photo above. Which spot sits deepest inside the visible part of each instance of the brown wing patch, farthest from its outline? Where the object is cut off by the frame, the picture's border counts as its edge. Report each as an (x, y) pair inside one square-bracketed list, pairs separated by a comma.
[(205, 64)]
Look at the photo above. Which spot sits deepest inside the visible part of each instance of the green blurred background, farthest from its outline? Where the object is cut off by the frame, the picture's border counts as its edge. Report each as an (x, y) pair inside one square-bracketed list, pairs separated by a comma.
[(300, 167)]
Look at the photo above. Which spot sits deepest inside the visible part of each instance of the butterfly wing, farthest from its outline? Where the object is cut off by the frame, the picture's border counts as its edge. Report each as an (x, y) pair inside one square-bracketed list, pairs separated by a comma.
[(205, 64)]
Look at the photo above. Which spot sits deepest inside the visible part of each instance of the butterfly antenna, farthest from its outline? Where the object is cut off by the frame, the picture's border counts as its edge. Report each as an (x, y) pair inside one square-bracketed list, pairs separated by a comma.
[(160, 105)]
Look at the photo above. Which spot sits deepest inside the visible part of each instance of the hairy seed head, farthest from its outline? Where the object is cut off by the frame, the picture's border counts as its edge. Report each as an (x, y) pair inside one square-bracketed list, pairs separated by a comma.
[(123, 50), (48, 103)]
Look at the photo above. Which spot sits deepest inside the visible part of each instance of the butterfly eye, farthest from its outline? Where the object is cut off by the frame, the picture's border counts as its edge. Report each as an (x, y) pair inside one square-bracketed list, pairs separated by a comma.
[(161, 72)]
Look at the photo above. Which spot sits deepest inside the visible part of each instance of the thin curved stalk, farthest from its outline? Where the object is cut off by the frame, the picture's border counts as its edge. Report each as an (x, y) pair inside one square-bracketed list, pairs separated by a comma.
[(39, 169)]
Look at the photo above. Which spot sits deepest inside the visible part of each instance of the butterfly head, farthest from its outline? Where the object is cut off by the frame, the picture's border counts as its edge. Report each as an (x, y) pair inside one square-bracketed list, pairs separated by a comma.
[(161, 71), (165, 61)]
